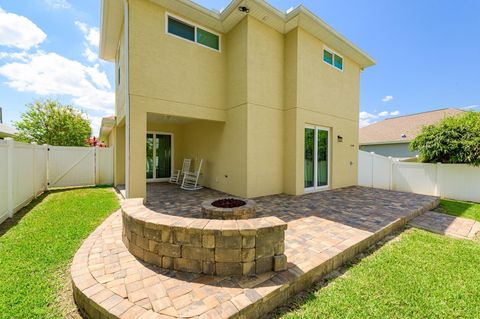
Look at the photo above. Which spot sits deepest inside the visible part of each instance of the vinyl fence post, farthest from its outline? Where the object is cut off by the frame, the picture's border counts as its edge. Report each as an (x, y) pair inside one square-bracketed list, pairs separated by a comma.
[(10, 173), (34, 166), (97, 165), (390, 173), (437, 168), (372, 154), (45, 177)]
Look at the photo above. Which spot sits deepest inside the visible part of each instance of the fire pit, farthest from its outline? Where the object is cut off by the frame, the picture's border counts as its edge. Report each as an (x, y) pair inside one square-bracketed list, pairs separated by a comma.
[(228, 208)]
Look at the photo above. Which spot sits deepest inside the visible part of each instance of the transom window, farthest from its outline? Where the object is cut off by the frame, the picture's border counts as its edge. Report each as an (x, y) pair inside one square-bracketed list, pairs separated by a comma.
[(332, 58), (190, 32)]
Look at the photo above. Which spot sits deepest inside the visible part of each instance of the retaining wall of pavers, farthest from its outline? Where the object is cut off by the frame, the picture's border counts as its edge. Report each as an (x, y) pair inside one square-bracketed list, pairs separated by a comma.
[(213, 247)]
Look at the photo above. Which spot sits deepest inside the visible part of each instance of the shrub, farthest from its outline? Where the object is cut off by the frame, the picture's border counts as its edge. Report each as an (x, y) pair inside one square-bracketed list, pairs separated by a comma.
[(453, 140)]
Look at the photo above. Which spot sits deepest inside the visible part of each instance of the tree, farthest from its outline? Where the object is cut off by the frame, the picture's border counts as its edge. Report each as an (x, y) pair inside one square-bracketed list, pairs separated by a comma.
[(453, 140), (50, 122)]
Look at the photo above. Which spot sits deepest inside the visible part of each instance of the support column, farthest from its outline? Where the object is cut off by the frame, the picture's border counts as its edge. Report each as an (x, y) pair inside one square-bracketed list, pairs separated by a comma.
[(137, 181)]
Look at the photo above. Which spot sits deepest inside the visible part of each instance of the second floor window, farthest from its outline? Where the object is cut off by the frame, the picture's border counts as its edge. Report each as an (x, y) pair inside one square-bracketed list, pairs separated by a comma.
[(193, 33), (333, 59)]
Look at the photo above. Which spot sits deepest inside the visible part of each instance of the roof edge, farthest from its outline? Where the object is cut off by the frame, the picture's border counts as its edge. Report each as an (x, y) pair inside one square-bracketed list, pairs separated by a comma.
[(111, 11)]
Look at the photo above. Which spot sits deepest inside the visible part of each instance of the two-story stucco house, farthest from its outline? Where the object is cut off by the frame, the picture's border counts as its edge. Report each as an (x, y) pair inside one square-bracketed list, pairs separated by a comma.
[(268, 99)]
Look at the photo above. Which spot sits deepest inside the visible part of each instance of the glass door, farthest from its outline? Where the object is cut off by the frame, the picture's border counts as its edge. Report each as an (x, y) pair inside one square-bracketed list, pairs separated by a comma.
[(163, 147), (159, 156), (316, 158)]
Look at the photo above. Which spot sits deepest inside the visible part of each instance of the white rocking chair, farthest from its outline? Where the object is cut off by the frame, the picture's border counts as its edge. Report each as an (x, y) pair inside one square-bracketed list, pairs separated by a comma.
[(190, 180), (177, 175)]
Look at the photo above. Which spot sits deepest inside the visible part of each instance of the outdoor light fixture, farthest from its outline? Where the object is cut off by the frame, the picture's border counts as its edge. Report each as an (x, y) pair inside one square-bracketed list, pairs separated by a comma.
[(243, 9), (339, 138)]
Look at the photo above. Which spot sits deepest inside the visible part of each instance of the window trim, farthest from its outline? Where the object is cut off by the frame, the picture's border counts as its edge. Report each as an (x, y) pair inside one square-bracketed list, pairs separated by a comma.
[(195, 26), (334, 53)]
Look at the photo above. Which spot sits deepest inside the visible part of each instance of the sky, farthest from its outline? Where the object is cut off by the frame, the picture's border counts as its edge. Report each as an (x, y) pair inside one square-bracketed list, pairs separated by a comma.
[(427, 53)]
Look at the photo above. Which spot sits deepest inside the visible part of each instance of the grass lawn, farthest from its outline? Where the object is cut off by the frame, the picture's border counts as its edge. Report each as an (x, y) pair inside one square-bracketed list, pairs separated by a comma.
[(422, 275), (460, 208), (38, 245)]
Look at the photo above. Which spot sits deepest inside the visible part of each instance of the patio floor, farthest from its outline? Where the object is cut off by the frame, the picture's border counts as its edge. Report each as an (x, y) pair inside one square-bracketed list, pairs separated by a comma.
[(325, 229)]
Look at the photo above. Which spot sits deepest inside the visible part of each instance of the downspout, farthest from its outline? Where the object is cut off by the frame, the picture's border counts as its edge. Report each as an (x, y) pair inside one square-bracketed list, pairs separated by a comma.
[(127, 101)]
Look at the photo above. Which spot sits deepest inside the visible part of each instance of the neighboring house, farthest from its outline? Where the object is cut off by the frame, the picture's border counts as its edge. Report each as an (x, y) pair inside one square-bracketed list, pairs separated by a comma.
[(6, 131), (391, 137), (269, 100)]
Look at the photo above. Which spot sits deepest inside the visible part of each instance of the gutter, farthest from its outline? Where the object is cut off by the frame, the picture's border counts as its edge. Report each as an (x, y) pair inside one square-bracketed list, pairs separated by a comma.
[(385, 142), (127, 101)]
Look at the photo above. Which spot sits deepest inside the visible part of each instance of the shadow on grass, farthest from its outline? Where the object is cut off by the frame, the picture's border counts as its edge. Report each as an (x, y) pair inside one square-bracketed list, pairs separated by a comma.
[(297, 301), (9, 223)]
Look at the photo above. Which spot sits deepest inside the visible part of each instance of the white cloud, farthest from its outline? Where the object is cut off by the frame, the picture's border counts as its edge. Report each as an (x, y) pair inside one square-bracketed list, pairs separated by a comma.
[(92, 39), (91, 34), (19, 32), (22, 55), (90, 55), (387, 98), (59, 4), (366, 118), (470, 107), (51, 74)]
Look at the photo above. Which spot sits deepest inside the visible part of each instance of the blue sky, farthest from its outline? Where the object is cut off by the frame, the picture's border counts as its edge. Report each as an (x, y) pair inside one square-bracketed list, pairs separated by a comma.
[(427, 53)]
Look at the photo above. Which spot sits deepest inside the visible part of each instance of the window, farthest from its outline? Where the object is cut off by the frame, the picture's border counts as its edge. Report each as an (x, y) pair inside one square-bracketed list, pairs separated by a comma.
[(181, 29), (338, 62), (327, 57), (333, 59), (192, 33), (208, 39)]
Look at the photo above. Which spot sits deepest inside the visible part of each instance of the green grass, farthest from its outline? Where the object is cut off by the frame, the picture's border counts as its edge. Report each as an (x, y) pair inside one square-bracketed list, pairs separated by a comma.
[(423, 275), (460, 208), (35, 250)]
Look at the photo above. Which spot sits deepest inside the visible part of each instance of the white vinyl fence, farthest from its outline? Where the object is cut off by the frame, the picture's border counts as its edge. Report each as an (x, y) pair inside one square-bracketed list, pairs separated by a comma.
[(455, 181), (27, 170)]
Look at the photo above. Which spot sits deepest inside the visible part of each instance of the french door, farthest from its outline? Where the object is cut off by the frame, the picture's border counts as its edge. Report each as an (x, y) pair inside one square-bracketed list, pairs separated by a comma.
[(159, 156), (317, 158)]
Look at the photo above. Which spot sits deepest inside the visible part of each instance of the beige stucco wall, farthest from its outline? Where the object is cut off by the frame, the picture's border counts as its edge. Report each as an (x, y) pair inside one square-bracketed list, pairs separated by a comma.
[(247, 105), (320, 95), (265, 95)]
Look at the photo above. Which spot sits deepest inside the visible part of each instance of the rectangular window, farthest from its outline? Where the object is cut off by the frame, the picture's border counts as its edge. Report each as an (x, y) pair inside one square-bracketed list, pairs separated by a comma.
[(327, 57), (333, 59), (190, 32), (208, 39), (338, 62), (181, 29)]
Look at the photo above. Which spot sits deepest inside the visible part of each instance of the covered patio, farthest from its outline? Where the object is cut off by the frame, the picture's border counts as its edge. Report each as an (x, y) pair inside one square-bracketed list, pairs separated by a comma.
[(325, 230)]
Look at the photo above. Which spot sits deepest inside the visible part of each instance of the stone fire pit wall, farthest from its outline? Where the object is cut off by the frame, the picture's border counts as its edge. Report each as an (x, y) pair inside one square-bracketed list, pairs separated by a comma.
[(214, 247)]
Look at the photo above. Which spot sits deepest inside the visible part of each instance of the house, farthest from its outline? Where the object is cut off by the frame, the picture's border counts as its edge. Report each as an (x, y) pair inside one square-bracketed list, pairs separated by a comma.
[(391, 137), (5, 130), (268, 99)]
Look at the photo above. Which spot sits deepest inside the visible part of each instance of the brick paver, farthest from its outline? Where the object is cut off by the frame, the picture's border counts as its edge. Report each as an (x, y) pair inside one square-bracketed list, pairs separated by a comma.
[(324, 230), (452, 226)]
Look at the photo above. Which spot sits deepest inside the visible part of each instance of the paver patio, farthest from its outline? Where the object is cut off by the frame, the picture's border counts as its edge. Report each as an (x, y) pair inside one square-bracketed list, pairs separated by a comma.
[(325, 229), (443, 224)]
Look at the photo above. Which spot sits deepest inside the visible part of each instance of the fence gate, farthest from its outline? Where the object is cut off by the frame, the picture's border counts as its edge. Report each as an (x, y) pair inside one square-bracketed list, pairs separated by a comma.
[(71, 166)]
